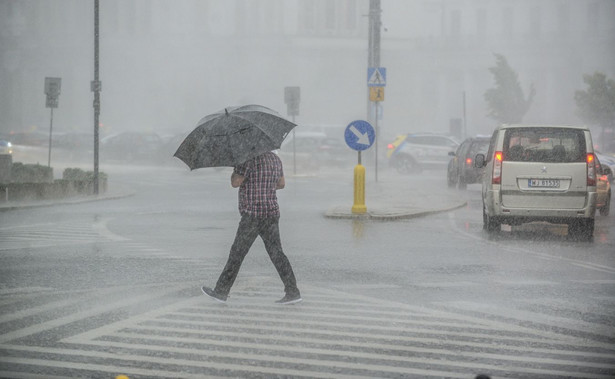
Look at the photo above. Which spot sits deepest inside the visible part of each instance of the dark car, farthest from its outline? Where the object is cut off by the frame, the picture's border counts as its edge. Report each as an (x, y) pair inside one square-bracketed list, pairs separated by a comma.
[(461, 170), (142, 147), (604, 177)]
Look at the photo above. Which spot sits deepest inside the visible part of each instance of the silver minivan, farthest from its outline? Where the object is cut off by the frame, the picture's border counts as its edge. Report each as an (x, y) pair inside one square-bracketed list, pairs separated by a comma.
[(540, 173)]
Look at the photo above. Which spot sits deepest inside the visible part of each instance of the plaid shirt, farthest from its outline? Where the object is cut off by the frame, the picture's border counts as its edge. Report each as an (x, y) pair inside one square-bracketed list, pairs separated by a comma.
[(257, 196)]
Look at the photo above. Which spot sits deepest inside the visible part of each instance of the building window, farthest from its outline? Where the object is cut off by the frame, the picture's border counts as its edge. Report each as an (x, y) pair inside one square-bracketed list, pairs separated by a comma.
[(455, 24), (535, 22), (308, 16), (350, 14), (563, 19), (507, 22), (330, 15), (241, 19), (481, 23), (593, 16)]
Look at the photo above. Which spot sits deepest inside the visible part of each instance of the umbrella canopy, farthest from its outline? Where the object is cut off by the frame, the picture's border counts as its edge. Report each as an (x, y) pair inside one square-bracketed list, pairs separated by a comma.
[(232, 136)]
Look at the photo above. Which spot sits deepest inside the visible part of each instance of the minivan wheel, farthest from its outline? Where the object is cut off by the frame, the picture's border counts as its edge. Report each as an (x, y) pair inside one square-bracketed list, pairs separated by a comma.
[(461, 184), (582, 229), (490, 224), (605, 210)]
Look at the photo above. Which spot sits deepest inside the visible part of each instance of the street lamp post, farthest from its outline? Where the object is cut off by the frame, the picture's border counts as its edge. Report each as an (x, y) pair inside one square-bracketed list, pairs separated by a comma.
[(96, 87)]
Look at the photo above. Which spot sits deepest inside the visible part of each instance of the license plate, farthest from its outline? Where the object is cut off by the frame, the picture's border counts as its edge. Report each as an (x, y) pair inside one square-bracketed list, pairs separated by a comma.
[(543, 183)]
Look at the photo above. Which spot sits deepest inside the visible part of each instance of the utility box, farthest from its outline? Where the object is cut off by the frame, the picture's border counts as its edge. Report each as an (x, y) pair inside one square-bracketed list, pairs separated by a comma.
[(292, 98), (6, 164)]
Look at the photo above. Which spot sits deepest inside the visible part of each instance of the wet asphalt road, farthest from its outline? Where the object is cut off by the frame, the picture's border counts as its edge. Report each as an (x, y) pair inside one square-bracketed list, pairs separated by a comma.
[(105, 288)]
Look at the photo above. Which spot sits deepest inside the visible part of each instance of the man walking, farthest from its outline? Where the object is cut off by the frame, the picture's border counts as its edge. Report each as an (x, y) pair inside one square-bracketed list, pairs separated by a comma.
[(257, 179)]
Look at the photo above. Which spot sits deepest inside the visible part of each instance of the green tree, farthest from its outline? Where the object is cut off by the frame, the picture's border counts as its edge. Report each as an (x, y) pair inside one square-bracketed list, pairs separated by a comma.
[(506, 102), (596, 105)]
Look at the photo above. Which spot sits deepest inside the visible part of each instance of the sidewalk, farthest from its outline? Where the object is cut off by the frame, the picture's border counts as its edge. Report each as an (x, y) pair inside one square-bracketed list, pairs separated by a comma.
[(393, 196), (110, 194), (396, 196)]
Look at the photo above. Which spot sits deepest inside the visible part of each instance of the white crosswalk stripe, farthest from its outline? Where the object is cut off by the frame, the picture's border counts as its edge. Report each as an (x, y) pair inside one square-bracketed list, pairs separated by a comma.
[(37, 236), (46, 235), (330, 334)]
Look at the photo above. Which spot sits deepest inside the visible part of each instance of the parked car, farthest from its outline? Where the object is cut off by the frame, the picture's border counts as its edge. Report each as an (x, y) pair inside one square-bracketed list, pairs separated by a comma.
[(30, 138), (603, 187), (412, 152), (169, 145), (461, 170), (607, 160), (131, 147), (540, 173), (6, 147), (313, 150)]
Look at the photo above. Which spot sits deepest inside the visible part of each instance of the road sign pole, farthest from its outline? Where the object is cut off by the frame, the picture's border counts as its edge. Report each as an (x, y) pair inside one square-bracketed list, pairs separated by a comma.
[(96, 89), (359, 135), (465, 130), (50, 131), (359, 189), (52, 90), (376, 141), (292, 98), (294, 151)]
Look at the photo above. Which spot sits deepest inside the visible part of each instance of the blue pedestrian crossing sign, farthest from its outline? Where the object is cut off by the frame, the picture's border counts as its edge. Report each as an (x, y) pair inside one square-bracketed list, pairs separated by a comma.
[(376, 76), (359, 135)]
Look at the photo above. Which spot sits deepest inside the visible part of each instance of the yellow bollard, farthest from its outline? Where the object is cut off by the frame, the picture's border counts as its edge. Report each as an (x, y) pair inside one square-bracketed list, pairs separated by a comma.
[(122, 377), (359, 190)]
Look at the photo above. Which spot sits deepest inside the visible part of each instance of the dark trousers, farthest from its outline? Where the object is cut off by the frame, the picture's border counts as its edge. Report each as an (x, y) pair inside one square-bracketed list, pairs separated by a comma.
[(249, 228)]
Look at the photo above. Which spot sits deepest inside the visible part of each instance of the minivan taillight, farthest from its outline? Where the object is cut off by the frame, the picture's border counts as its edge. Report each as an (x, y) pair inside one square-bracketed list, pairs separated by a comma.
[(591, 169), (496, 178)]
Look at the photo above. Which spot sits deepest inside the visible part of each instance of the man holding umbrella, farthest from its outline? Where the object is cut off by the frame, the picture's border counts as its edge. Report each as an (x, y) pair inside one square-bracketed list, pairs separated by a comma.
[(243, 137), (257, 179)]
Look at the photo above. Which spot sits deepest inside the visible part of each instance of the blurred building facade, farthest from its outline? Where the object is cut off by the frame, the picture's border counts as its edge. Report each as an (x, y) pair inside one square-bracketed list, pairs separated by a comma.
[(164, 64)]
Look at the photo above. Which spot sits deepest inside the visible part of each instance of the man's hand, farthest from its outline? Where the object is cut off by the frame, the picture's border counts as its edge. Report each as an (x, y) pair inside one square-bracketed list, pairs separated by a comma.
[(281, 183), (236, 179)]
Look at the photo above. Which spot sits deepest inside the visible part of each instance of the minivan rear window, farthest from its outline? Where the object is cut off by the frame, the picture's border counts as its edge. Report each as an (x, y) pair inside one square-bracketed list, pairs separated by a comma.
[(544, 145)]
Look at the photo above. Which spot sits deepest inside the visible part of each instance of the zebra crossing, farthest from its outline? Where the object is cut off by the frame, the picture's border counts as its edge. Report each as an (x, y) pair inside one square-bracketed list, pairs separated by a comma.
[(172, 331), (49, 234), (45, 235)]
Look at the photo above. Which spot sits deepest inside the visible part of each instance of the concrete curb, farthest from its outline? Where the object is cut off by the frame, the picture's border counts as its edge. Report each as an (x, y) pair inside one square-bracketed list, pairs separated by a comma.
[(51, 203), (393, 213)]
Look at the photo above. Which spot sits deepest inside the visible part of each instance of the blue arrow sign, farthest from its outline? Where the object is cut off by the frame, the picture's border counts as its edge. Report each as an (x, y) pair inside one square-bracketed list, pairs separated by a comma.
[(359, 135)]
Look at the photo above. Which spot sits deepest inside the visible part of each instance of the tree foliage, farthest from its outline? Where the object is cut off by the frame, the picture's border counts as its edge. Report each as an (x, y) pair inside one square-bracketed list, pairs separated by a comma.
[(506, 102), (596, 105)]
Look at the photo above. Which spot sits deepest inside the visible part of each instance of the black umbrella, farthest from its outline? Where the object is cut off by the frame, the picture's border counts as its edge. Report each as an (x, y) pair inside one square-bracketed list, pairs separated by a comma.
[(232, 136)]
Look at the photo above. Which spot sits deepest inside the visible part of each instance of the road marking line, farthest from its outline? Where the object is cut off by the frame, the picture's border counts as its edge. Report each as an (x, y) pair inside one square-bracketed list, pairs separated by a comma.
[(101, 308), (389, 343)]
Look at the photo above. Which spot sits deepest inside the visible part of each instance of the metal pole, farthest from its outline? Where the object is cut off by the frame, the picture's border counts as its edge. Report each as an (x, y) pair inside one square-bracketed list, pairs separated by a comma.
[(374, 60), (96, 95), (294, 151), (50, 131), (376, 140), (465, 128)]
